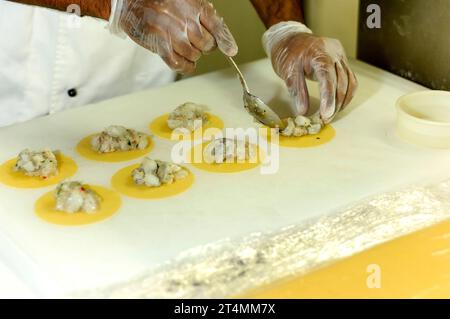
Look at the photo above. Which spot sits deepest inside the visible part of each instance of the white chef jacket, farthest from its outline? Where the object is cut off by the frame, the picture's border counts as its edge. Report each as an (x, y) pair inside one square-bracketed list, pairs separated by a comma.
[(50, 62)]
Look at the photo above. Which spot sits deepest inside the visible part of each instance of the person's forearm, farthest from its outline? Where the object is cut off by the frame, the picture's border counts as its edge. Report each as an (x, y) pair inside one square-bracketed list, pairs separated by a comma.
[(274, 11), (94, 8)]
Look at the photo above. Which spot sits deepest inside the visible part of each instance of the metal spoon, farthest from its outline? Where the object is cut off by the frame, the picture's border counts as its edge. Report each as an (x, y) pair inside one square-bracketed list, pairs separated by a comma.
[(255, 106)]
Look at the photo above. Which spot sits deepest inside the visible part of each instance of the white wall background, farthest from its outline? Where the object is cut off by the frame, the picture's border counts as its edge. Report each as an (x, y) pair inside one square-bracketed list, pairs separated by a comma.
[(335, 18)]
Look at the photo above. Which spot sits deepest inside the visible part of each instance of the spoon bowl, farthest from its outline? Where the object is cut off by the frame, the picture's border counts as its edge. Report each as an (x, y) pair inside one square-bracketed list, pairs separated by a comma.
[(259, 110)]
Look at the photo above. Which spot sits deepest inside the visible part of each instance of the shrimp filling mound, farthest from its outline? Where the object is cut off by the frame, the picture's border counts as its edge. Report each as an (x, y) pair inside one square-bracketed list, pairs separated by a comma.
[(37, 163), (188, 116), (226, 150), (154, 173), (119, 139), (73, 197), (301, 126)]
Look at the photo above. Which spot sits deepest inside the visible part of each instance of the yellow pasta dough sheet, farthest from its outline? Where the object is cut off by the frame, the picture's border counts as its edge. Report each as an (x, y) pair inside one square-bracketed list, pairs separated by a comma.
[(413, 266), (195, 157), (160, 128), (123, 182), (325, 136), (84, 149), (66, 168), (110, 204)]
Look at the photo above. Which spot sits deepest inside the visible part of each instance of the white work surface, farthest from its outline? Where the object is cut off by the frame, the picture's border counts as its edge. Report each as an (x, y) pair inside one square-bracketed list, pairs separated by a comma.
[(365, 158)]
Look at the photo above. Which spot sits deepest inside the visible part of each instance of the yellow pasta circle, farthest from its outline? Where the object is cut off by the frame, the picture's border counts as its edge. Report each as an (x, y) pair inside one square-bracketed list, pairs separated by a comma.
[(84, 149), (160, 128), (223, 167), (66, 168), (123, 182), (325, 136), (110, 204)]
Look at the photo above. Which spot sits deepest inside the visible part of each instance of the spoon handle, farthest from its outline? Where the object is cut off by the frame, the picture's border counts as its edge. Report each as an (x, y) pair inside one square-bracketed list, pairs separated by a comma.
[(240, 75)]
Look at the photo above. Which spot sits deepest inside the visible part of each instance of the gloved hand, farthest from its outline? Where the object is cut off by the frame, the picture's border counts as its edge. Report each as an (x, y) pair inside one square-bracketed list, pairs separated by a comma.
[(179, 31), (297, 54)]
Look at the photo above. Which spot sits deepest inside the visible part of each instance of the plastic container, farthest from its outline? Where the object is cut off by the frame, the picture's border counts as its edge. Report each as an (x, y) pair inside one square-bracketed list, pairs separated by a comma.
[(424, 118)]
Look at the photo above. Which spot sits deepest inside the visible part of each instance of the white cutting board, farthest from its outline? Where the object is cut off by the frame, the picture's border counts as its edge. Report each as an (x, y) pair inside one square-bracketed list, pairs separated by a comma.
[(365, 158)]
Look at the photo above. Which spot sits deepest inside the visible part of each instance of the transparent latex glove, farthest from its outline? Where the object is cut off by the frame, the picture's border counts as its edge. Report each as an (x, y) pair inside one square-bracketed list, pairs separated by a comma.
[(179, 31), (297, 54)]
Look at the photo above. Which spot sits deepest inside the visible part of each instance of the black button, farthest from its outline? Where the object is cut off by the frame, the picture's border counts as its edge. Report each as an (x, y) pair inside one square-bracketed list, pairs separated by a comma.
[(72, 92)]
